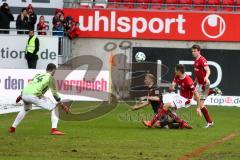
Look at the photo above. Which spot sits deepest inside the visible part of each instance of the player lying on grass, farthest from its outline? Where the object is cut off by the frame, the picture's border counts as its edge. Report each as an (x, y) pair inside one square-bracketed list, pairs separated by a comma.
[(154, 97), (202, 73), (176, 101), (33, 93)]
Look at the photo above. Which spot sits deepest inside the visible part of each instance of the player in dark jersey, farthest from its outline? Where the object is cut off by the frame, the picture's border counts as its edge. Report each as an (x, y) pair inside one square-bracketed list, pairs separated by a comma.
[(154, 98)]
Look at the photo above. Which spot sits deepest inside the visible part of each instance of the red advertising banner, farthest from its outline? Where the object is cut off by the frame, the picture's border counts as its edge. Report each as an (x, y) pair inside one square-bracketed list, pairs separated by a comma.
[(156, 25)]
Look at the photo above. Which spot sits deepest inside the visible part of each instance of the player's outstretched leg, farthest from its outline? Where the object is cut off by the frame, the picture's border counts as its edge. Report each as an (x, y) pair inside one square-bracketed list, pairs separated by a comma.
[(161, 113), (215, 91), (183, 124), (18, 119)]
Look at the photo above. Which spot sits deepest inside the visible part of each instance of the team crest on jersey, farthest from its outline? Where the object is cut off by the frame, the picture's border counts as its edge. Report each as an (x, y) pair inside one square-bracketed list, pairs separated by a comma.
[(179, 101)]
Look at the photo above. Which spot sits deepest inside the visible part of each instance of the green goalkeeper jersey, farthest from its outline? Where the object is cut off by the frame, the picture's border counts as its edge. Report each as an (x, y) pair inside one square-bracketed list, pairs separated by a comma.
[(40, 84)]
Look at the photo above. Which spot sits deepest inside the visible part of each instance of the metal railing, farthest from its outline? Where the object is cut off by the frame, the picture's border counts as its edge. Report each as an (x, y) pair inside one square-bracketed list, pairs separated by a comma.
[(151, 6), (14, 31)]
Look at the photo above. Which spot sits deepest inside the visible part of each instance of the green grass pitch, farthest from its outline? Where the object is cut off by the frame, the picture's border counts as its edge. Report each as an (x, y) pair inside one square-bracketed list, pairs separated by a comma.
[(119, 135)]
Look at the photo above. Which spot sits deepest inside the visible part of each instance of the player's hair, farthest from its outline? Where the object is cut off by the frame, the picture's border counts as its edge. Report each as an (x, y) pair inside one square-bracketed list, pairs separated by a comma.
[(197, 47), (51, 67), (151, 76), (180, 67)]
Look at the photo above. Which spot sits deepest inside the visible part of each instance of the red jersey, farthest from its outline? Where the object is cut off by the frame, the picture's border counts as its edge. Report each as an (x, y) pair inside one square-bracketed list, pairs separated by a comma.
[(199, 70), (186, 86)]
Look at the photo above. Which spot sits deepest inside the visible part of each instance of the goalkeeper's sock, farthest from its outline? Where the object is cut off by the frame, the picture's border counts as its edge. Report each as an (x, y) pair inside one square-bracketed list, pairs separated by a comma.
[(19, 117), (158, 115), (54, 117), (205, 112)]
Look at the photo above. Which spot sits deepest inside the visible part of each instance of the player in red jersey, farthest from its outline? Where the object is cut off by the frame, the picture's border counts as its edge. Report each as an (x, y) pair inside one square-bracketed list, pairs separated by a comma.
[(176, 101), (202, 73)]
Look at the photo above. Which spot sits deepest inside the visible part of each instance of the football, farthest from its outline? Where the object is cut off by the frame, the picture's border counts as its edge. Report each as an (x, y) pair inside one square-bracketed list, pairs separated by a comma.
[(140, 57)]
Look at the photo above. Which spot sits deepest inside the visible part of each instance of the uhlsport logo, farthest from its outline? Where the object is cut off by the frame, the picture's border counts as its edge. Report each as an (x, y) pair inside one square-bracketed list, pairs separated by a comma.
[(213, 26)]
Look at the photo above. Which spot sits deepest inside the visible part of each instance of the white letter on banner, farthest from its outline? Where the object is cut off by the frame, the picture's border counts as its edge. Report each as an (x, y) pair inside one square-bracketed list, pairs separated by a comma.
[(113, 21), (180, 21), (123, 24), (135, 28), (89, 26), (168, 23), (98, 20), (160, 25)]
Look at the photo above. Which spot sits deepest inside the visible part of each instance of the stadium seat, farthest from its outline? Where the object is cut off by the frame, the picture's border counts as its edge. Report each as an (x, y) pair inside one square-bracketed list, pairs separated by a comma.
[(228, 2), (172, 7), (128, 1), (157, 1), (184, 8), (157, 7), (170, 4), (212, 8), (185, 1), (142, 4), (214, 5), (237, 2), (157, 4), (200, 2), (171, 1), (228, 5), (128, 4), (238, 9), (142, 1), (227, 9), (185, 5), (198, 8), (199, 5), (213, 2)]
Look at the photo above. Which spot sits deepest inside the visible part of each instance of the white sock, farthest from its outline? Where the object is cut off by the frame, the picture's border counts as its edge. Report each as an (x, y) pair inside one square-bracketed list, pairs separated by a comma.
[(19, 117), (55, 117)]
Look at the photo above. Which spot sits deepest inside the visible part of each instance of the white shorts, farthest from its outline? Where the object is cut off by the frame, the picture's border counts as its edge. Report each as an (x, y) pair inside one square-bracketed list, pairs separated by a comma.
[(203, 91), (42, 102), (176, 100)]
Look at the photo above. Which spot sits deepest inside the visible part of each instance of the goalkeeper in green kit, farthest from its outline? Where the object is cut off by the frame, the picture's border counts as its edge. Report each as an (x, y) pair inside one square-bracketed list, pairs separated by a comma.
[(34, 92)]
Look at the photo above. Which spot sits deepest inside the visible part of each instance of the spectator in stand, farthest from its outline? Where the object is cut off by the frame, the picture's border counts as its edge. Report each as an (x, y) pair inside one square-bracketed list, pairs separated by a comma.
[(42, 27), (74, 31), (32, 17), (5, 18), (22, 22), (57, 15), (68, 23), (59, 26)]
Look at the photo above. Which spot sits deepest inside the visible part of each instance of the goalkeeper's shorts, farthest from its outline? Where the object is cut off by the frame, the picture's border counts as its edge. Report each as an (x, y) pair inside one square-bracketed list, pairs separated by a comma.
[(42, 102)]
